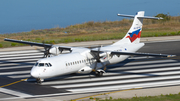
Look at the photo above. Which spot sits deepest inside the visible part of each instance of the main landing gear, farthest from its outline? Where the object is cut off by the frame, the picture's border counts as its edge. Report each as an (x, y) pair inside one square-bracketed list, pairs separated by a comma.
[(100, 73), (39, 81)]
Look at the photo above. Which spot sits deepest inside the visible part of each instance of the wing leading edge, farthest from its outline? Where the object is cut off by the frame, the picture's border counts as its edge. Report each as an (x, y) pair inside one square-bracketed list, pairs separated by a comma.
[(141, 54), (29, 43), (133, 53), (37, 44)]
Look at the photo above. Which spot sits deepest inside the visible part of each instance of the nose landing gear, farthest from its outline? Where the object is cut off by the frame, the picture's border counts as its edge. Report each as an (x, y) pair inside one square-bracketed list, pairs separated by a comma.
[(39, 81)]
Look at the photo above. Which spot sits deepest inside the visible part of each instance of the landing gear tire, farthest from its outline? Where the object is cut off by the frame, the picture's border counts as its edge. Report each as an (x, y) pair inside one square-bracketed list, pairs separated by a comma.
[(39, 81), (99, 73)]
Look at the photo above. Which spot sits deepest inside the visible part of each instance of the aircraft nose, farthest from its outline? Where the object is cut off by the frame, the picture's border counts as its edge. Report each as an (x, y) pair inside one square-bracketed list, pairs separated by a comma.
[(34, 74)]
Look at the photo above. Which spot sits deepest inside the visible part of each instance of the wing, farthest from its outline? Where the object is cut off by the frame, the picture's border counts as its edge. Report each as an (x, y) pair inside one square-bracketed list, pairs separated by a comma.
[(29, 43), (37, 44), (141, 54), (133, 53)]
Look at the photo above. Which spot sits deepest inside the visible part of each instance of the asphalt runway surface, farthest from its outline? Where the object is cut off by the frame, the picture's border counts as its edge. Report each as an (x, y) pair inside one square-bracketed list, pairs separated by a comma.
[(135, 72)]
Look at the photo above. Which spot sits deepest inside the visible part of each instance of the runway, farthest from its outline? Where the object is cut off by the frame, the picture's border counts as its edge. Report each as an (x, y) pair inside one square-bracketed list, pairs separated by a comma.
[(135, 72)]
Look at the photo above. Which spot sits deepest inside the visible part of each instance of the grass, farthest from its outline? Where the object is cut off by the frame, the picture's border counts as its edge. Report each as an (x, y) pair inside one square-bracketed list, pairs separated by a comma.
[(91, 31), (168, 97)]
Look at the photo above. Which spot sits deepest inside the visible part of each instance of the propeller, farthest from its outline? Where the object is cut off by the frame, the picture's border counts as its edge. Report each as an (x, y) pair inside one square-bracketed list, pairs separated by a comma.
[(97, 57), (50, 49), (45, 51)]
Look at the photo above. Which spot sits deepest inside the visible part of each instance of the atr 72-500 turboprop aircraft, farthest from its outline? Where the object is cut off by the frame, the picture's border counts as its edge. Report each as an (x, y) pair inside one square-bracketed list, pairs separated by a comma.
[(85, 60)]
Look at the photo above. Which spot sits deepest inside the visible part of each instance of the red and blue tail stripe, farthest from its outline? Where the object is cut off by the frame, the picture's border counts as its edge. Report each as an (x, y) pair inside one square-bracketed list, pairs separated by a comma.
[(134, 35)]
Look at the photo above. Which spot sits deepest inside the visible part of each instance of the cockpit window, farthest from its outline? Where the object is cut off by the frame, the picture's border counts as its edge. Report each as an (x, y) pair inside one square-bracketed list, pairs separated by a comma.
[(46, 65), (41, 64), (50, 64), (36, 64)]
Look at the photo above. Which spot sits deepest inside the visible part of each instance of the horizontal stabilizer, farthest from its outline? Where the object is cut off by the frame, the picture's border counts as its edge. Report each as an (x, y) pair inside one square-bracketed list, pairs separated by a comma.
[(149, 17), (124, 15), (140, 17)]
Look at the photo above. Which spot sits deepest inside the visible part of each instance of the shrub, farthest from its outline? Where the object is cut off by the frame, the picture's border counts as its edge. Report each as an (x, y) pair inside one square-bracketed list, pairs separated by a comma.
[(90, 23), (166, 17), (1, 46), (13, 44), (173, 33), (178, 33)]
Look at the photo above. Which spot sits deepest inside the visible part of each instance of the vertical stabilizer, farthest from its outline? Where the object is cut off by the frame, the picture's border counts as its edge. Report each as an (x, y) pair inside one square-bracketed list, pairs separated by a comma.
[(134, 33)]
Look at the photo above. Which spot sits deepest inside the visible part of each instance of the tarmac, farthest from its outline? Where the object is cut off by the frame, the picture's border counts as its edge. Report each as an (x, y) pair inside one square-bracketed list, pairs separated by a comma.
[(128, 93)]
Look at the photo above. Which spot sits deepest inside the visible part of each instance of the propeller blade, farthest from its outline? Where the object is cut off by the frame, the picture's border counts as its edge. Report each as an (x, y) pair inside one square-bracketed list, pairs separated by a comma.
[(46, 52), (97, 57)]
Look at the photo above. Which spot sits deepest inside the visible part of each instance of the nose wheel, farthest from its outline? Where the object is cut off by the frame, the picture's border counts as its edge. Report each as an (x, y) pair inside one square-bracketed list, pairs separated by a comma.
[(39, 81)]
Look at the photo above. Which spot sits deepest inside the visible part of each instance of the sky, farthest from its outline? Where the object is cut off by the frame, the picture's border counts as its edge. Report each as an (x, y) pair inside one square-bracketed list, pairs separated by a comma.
[(26, 15)]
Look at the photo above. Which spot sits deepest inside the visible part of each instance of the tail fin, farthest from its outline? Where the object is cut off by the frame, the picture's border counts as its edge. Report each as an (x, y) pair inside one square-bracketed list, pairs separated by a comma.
[(134, 33)]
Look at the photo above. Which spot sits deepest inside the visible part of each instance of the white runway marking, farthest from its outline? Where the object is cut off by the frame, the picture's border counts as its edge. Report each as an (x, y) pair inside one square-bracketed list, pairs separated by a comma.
[(145, 66), (149, 62), (11, 73), (114, 82), (15, 67), (20, 76), (12, 92), (79, 81)]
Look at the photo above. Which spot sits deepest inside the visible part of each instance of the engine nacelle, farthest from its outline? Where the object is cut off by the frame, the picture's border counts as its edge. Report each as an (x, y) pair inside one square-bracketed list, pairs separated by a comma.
[(54, 50), (102, 54), (85, 70), (105, 56)]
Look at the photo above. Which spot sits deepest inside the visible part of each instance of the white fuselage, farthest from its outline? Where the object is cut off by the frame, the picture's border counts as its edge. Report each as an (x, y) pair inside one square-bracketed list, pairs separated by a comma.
[(80, 60)]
